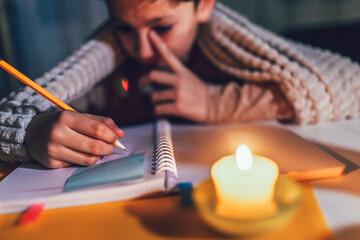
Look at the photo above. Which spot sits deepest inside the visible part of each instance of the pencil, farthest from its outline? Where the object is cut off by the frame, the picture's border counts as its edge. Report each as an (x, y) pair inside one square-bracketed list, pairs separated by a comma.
[(7, 67)]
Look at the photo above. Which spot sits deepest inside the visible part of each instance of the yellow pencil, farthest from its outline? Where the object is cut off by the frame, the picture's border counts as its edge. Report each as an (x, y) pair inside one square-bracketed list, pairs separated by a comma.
[(7, 67)]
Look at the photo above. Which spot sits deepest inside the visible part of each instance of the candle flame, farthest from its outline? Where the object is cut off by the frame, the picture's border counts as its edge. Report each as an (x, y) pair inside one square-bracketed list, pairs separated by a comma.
[(243, 157)]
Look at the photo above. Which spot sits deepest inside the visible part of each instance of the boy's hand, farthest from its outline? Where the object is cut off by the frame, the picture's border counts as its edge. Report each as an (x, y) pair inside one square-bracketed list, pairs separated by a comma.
[(59, 139), (188, 94)]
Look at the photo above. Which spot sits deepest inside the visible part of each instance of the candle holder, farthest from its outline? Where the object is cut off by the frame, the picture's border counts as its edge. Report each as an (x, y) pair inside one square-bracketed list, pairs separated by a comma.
[(288, 195)]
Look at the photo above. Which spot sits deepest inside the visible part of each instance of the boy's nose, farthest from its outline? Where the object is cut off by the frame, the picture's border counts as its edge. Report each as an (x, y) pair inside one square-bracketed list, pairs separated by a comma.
[(145, 49)]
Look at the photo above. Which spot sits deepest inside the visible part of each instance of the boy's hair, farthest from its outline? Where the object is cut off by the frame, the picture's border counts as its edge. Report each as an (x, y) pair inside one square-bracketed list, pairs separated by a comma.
[(195, 1)]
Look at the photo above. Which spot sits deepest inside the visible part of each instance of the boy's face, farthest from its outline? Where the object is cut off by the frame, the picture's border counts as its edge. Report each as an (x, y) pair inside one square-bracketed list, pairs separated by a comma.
[(175, 22)]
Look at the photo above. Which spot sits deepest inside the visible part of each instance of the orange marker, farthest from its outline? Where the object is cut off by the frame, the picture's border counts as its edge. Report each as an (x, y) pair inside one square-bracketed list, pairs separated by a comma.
[(7, 67)]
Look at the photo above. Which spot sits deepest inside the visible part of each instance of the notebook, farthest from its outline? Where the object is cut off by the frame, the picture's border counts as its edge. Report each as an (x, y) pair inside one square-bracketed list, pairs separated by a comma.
[(296, 157), (149, 145), (195, 147)]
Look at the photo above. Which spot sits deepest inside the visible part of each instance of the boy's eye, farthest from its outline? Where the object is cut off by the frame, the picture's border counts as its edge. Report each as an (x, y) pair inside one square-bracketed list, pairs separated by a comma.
[(123, 28), (163, 29)]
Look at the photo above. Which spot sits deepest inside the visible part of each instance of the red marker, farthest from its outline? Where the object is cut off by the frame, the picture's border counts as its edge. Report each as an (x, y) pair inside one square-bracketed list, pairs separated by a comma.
[(31, 214)]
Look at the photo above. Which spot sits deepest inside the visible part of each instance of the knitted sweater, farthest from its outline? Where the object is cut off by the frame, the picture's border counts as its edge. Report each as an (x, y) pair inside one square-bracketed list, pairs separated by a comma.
[(318, 84)]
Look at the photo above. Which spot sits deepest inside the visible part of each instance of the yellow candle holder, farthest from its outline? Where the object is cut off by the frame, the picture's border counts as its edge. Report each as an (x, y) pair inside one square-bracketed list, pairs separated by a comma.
[(287, 197)]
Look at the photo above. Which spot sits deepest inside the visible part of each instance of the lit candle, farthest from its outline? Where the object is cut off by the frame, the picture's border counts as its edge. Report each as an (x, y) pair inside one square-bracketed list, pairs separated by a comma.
[(244, 185)]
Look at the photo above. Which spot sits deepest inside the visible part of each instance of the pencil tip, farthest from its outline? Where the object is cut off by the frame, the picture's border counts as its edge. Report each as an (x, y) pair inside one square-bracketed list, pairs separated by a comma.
[(119, 144)]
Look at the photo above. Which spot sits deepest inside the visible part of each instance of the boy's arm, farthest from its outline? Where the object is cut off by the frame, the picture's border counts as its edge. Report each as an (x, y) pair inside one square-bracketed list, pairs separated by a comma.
[(68, 81), (235, 103)]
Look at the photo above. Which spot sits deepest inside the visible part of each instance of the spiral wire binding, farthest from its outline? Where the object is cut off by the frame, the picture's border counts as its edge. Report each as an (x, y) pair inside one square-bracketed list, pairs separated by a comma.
[(163, 156)]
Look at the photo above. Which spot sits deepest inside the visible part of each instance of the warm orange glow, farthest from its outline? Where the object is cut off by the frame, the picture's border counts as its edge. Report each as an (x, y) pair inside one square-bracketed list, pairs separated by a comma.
[(125, 84)]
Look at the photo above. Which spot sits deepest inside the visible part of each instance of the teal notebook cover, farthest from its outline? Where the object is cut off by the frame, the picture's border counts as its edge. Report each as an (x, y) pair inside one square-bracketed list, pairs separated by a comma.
[(120, 170)]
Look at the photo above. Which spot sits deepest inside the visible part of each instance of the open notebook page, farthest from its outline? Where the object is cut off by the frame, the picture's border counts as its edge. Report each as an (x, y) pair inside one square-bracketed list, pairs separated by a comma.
[(31, 182)]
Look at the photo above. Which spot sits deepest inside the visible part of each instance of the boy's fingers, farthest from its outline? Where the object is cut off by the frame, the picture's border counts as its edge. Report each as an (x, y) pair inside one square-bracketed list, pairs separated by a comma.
[(160, 77), (164, 96), (108, 121), (80, 158), (93, 128), (88, 145), (173, 62), (69, 156), (53, 163), (74, 139), (166, 109)]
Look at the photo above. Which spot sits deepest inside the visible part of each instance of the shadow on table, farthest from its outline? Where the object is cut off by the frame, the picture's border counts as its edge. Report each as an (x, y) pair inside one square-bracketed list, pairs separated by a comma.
[(348, 233), (351, 159), (6, 169), (170, 220)]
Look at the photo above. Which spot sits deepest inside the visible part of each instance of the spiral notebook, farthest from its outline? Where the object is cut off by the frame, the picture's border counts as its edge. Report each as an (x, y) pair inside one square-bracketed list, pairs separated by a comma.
[(154, 170)]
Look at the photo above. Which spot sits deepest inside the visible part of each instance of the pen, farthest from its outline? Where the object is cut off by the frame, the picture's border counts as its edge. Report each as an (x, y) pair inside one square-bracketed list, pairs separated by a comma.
[(7, 67)]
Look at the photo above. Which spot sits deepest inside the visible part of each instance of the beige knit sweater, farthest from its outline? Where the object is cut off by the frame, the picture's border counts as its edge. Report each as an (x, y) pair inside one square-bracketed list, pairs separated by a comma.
[(318, 84)]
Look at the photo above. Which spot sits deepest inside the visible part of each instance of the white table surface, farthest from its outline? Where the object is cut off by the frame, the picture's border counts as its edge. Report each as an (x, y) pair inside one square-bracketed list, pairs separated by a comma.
[(339, 198)]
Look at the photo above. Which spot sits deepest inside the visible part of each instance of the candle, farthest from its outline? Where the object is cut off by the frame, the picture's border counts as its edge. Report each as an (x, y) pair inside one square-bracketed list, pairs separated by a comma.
[(244, 185)]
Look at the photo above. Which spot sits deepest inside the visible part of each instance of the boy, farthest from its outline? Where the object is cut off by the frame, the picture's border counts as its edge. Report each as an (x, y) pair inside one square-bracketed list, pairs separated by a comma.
[(216, 66)]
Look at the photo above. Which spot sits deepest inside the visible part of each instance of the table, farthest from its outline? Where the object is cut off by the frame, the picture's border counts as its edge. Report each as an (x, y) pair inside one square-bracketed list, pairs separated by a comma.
[(339, 199), (338, 205)]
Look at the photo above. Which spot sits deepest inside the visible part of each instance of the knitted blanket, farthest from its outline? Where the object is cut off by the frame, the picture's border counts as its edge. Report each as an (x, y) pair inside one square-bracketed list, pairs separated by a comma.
[(320, 85)]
